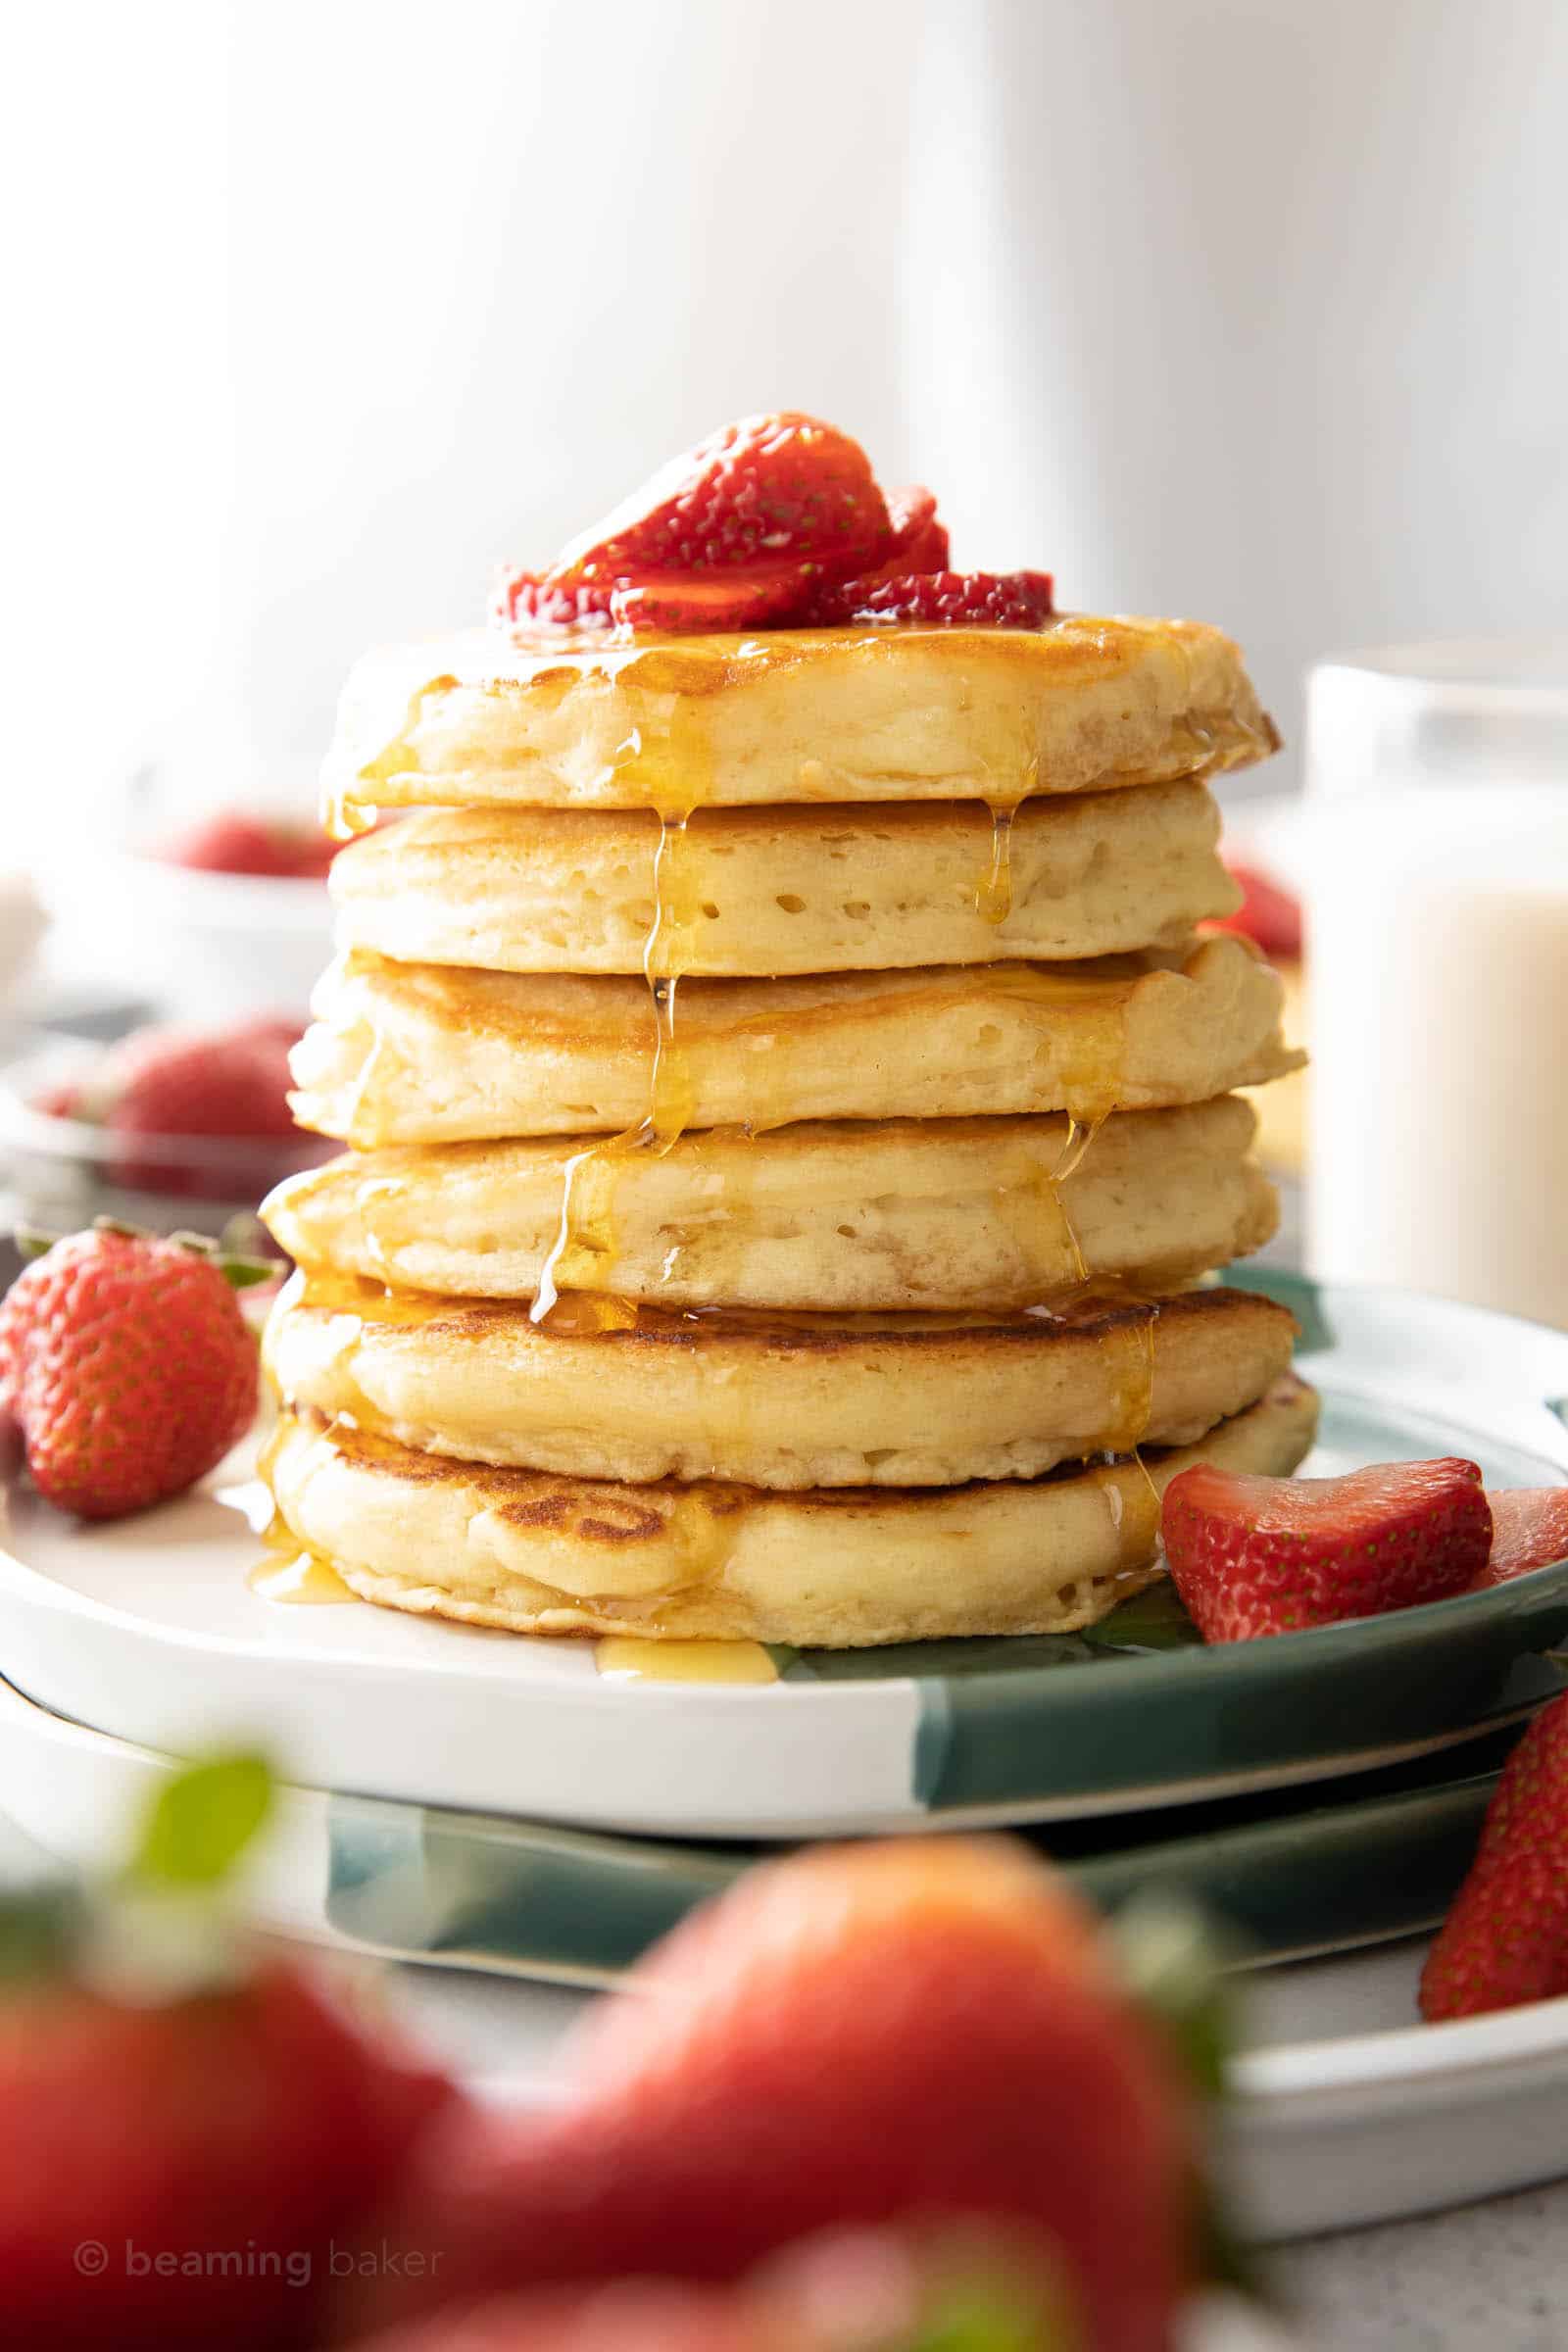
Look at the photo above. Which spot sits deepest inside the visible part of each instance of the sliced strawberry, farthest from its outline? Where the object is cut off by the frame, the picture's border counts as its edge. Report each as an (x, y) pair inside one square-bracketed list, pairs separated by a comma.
[(527, 600), (920, 540), (1006, 600), (1271, 1555), (677, 602), (1268, 915), (755, 493), (1505, 1938), (685, 601), (1529, 1530)]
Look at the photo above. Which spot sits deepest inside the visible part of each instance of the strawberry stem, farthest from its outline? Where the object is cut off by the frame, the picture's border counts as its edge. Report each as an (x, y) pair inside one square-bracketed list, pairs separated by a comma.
[(238, 1270)]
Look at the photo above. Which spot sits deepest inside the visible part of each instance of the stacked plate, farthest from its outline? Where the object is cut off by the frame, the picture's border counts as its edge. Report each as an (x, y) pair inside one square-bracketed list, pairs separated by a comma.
[(492, 1804), (149, 1631)]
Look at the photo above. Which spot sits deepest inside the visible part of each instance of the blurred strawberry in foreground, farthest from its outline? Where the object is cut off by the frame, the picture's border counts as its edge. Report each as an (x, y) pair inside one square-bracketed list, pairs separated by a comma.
[(867, 2291), (1529, 1530), (234, 841), (1254, 1556), (639, 2315), (1270, 914), (126, 1367), (854, 2036), (1505, 1938), (186, 2135)]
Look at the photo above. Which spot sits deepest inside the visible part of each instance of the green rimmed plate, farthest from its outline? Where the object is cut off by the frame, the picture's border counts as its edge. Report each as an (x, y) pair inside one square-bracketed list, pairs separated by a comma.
[(1294, 1874), (147, 1630)]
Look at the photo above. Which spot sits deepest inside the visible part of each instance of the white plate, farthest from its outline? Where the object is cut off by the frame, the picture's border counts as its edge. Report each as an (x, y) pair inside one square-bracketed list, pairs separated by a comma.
[(1344, 2110), (147, 1628)]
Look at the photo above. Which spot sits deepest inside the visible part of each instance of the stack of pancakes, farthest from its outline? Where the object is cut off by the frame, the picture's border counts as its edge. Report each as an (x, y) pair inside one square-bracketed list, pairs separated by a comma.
[(790, 1117)]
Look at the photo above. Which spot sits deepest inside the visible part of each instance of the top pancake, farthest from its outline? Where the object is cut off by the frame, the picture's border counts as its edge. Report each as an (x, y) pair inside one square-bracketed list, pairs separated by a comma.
[(676, 723)]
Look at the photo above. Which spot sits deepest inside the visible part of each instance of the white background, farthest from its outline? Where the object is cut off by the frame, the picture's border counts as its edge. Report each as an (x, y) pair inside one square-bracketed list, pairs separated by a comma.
[(1252, 308)]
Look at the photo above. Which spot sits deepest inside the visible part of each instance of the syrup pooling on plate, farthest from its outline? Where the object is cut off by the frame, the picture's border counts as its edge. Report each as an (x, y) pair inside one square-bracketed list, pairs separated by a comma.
[(300, 1579), (624, 1658), (289, 1572)]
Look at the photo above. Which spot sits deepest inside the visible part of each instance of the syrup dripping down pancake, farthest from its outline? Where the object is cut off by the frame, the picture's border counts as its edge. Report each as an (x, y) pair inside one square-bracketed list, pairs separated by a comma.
[(409, 1053), (848, 715), (788, 890), (848, 1214)]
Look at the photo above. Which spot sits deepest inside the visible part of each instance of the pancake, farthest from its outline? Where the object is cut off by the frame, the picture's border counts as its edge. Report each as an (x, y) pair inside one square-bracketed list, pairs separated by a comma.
[(677, 723), (791, 1402), (838, 1215), (432, 1054), (840, 1569), (786, 890)]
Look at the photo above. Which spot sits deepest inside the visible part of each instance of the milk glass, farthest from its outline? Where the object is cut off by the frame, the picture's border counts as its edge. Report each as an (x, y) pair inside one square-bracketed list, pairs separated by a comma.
[(1437, 884)]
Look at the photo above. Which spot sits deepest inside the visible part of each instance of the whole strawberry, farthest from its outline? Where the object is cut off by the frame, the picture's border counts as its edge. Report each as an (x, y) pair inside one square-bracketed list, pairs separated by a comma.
[(1268, 915), (1505, 1938), (908, 2289), (229, 1086), (232, 841), (128, 1367), (1274, 1555), (191, 2138), (847, 2038)]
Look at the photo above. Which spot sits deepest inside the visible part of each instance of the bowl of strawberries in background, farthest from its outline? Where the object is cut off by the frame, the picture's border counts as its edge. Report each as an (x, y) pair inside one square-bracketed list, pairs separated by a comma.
[(208, 900), (171, 1127)]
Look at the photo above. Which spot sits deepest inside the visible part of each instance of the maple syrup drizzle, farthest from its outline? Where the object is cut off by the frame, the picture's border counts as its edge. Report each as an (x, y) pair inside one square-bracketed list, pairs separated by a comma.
[(993, 896), (628, 1658), (1081, 1134), (584, 1246)]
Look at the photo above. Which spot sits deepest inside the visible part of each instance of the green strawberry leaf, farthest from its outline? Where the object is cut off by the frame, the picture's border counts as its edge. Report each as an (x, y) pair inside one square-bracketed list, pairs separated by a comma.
[(40, 1928), (981, 2316), (1171, 1958), (238, 1269), (202, 1821)]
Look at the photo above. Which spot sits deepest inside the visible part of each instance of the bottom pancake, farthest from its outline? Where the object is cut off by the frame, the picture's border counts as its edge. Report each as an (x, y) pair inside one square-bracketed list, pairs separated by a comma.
[(838, 1569)]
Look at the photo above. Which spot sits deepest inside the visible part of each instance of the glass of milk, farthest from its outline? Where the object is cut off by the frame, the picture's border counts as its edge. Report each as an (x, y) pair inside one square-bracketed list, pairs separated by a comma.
[(1436, 882)]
